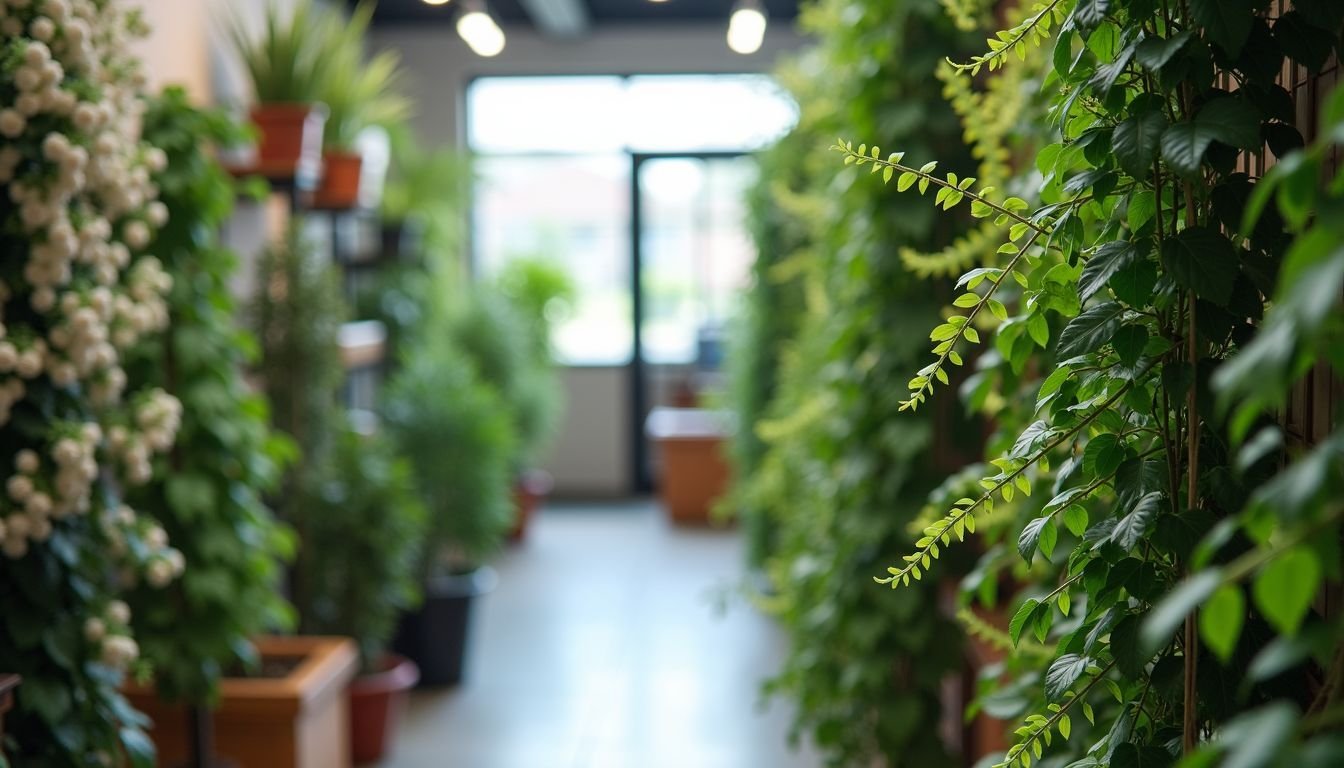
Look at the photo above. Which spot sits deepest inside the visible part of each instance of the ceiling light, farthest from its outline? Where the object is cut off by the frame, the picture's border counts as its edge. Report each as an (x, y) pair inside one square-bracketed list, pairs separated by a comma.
[(435, 2), (480, 32), (746, 27)]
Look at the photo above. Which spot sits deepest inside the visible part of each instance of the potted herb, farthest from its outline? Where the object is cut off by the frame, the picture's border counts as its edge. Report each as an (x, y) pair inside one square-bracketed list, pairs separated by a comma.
[(540, 292), (453, 428), (359, 94), (365, 524), (289, 63)]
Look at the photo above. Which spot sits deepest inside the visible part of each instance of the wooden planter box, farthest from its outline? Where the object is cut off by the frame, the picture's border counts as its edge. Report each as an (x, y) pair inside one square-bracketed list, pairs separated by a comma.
[(300, 720), (694, 472)]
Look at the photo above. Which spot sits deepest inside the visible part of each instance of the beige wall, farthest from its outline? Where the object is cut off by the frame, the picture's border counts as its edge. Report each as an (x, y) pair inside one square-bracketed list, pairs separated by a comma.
[(187, 46)]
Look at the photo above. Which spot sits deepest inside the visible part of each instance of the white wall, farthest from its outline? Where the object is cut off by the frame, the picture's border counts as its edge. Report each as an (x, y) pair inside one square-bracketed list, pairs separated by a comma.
[(593, 454)]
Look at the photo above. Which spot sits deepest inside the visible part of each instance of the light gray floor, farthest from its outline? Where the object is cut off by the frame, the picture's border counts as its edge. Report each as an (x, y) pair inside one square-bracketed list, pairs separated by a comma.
[(602, 648)]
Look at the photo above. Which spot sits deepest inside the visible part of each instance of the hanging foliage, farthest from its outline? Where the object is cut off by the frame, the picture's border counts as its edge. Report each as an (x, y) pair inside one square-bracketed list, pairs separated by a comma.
[(1152, 309)]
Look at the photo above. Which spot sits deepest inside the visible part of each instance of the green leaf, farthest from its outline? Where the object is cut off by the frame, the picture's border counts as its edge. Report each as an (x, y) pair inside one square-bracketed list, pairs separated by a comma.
[(1286, 587), (1136, 141), (1075, 519), (1183, 146), (1160, 626), (1303, 42), (1220, 620), (1232, 121), (1134, 284), (1110, 258), (1063, 673), (1125, 647), (1256, 739), (1103, 455), (1021, 618), (1226, 22), (1129, 342), (1202, 260), (1132, 527), (1090, 13), (1090, 330), (1155, 52)]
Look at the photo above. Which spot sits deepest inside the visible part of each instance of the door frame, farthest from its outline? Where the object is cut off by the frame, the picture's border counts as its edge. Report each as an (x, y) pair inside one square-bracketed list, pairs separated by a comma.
[(640, 479)]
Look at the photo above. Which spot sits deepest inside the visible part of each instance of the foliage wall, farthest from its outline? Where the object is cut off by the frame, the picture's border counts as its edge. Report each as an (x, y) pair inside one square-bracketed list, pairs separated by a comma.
[(840, 478), (79, 289), (1159, 310), (226, 457)]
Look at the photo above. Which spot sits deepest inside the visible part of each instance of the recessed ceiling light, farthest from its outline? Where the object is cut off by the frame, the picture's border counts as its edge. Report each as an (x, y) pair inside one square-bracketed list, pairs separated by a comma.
[(435, 2), (746, 27), (480, 32)]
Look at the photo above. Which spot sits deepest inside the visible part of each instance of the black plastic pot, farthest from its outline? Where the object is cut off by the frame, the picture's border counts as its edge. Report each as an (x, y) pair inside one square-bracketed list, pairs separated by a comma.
[(435, 636)]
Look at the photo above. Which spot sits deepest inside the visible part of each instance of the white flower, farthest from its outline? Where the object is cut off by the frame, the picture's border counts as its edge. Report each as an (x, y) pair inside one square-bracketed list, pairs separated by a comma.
[(14, 548), (94, 629), (119, 613), (42, 28), (159, 573), (137, 234), (156, 537), (26, 461), (19, 487), (12, 123), (18, 527), (119, 650), (38, 505), (41, 529)]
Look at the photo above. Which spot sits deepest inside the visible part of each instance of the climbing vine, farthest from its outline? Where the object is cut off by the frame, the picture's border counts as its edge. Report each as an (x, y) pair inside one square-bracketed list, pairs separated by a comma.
[(1153, 306)]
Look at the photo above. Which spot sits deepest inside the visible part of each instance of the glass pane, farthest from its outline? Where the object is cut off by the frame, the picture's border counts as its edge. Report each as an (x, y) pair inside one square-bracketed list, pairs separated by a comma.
[(546, 114), (696, 254), (575, 211), (688, 113)]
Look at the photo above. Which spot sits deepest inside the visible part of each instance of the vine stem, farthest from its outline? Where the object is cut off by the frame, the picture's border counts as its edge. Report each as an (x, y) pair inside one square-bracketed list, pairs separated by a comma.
[(952, 520), (942, 183), (1008, 45), (1063, 710), (970, 318)]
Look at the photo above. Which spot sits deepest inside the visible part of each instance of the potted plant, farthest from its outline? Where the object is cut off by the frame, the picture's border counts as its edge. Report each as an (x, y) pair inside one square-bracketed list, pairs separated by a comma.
[(423, 197), (358, 95), (540, 292), (452, 427), (364, 528), (289, 64)]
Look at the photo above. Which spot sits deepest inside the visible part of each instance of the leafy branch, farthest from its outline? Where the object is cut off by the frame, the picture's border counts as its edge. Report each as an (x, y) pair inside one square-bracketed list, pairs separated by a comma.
[(961, 521), (951, 191), (1039, 728), (1015, 40)]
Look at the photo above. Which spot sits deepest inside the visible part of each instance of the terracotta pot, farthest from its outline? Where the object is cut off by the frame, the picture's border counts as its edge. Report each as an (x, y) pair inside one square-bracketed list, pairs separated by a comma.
[(340, 180), (529, 493), (377, 703), (289, 140), (295, 718)]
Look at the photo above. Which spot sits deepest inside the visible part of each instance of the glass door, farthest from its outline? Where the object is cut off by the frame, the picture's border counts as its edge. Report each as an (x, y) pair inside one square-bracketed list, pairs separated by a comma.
[(693, 256)]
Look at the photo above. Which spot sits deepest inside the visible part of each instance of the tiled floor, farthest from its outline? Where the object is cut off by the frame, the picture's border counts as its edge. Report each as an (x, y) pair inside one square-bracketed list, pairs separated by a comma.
[(602, 648)]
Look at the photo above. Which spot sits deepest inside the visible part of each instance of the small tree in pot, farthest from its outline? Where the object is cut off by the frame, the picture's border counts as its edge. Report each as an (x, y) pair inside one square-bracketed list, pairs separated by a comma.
[(359, 94), (365, 526), (454, 429)]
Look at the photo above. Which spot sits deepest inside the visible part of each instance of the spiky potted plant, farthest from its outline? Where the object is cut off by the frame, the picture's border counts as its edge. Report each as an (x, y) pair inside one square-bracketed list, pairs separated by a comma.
[(289, 64), (359, 94)]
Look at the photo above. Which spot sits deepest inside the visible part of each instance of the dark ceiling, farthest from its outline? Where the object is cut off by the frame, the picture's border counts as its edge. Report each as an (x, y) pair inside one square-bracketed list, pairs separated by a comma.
[(602, 12)]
